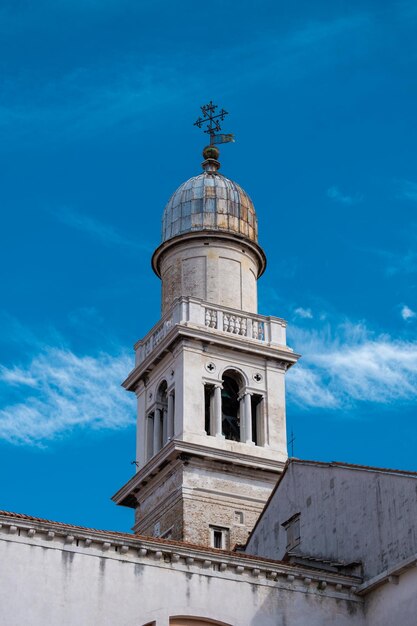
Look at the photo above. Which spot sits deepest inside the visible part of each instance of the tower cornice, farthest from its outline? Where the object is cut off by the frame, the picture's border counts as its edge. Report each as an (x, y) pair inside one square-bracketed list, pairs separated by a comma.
[(186, 329), (185, 451), (207, 235)]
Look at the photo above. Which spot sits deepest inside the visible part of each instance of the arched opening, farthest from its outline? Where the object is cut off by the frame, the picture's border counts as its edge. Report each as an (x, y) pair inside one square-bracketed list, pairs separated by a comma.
[(161, 415), (162, 394), (233, 411), (231, 408)]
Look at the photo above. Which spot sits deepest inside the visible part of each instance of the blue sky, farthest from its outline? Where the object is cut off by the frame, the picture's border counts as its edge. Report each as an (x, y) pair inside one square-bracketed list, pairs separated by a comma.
[(97, 106)]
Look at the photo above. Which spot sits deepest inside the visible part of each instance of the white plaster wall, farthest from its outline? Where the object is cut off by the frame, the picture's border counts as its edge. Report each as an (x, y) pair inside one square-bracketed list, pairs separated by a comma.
[(184, 369), (346, 515), (271, 386), (394, 603), (45, 584), (220, 271), (275, 409)]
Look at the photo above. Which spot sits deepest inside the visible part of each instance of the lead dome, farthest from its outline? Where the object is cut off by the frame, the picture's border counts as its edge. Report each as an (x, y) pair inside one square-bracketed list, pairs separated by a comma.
[(210, 202)]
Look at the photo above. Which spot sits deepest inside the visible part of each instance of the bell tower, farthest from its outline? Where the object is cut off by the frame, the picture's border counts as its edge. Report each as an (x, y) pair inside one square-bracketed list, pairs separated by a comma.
[(209, 377)]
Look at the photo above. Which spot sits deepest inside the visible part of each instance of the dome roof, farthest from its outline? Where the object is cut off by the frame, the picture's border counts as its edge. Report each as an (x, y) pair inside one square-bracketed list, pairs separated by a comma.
[(211, 202)]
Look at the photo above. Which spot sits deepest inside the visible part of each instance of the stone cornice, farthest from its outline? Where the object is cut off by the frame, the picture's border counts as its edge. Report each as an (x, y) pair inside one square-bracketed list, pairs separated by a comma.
[(170, 554), (174, 450), (390, 575), (282, 355), (204, 235)]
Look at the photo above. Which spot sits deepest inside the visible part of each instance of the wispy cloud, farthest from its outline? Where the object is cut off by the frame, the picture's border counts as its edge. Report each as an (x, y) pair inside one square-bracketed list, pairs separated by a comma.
[(350, 364), (105, 233), (408, 190), (303, 313), (335, 194), (61, 392), (407, 313)]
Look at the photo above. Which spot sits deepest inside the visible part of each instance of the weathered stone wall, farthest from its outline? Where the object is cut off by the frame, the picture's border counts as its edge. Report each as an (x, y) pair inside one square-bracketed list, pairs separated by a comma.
[(191, 495), (217, 495), (346, 514), (219, 271), (160, 507)]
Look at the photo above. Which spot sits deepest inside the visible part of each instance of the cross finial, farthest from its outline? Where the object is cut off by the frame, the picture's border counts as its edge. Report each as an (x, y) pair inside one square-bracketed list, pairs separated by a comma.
[(212, 120)]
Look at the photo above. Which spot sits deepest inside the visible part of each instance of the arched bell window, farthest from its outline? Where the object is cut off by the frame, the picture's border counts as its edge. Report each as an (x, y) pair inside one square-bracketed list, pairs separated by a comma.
[(161, 414), (234, 411), (231, 418), (161, 419)]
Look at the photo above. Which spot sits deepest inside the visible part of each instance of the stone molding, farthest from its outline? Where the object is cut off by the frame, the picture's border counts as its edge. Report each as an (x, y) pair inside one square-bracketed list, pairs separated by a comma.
[(170, 554), (206, 235), (390, 575), (174, 449), (180, 332), (188, 317)]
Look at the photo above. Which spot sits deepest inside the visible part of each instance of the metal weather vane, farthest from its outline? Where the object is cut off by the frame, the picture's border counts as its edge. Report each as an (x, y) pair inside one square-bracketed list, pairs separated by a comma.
[(212, 120)]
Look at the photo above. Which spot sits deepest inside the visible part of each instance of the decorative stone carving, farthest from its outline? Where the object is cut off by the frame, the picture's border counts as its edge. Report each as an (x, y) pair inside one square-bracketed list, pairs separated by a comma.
[(211, 318), (258, 330)]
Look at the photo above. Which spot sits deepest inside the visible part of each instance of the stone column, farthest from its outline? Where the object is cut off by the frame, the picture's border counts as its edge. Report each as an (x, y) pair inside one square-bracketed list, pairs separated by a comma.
[(242, 419), (164, 427), (248, 417), (260, 423), (157, 431), (218, 410), (170, 416), (149, 437)]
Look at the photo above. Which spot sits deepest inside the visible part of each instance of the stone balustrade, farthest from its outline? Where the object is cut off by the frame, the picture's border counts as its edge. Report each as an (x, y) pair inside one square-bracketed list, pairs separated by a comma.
[(194, 312)]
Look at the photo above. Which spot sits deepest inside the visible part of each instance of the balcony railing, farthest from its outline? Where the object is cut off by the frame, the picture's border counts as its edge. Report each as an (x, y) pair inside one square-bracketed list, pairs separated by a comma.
[(195, 312)]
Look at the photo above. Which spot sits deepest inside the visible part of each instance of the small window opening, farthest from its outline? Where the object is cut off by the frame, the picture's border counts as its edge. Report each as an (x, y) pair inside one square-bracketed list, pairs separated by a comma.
[(219, 537), (292, 526), (238, 517)]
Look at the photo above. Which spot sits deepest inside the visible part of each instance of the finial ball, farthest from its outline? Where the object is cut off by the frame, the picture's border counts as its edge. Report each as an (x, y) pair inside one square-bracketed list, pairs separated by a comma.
[(211, 152)]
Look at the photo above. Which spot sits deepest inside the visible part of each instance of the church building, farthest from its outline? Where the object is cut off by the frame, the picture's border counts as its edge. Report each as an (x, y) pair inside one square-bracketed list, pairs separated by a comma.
[(227, 530)]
